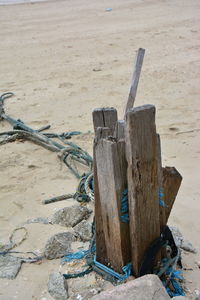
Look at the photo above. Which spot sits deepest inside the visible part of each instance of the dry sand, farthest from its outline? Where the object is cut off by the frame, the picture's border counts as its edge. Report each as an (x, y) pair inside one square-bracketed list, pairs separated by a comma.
[(49, 51)]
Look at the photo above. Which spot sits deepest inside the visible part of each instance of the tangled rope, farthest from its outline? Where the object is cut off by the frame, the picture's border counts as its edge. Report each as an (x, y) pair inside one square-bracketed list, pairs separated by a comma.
[(69, 153), (12, 244)]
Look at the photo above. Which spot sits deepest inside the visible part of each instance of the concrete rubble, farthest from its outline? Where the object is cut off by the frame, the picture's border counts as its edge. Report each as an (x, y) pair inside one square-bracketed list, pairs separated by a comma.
[(9, 266), (57, 286), (148, 287), (84, 230), (70, 216), (59, 245)]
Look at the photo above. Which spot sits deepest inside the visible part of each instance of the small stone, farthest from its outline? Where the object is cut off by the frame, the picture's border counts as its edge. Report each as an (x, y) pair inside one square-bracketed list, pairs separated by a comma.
[(177, 235), (38, 220), (96, 69), (59, 245), (187, 246), (173, 128), (84, 230), (197, 294), (146, 287), (180, 241), (70, 216), (197, 263), (57, 286), (9, 266)]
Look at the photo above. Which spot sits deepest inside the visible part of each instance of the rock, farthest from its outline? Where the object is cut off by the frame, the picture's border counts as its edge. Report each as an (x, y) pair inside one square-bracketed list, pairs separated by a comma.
[(59, 245), (84, 230), (180, 241), (177, 235), (198, 263), (197, 294), (187, 246), (38, 220), (9, 266), (57, 286), (148, 287), (70, 216)]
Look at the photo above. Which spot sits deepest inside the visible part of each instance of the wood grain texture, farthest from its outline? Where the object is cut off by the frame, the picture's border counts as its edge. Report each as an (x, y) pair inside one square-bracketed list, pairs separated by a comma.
[(135, 79), (143, 183), (104, 121), (160, 182), (120, 130), (111, 174), (171, 184), (105, 117), (101, 252)]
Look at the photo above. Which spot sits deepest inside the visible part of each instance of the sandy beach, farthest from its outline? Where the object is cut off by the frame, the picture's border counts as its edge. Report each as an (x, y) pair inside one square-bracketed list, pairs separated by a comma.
[(62, 59)]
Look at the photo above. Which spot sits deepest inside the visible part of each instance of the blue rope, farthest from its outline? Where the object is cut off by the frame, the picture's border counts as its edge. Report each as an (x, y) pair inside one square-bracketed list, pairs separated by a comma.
[(124, 207), (79, 254), (174, 275), (161, 198), (83, 253), (126, 269)]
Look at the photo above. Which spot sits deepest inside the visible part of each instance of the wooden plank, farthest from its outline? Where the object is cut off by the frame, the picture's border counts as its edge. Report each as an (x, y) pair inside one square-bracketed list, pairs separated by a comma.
[(111, 174), (102, 133), (141, 151), (171, 184), (119, 130), (135, 79), (160, 183), (101, 252), (105, 117), (103, 127)]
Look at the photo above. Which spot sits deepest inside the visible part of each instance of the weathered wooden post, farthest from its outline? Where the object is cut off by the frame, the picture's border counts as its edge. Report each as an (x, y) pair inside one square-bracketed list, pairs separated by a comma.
[(110, 174), (127, 155), (102, 128), (170, 185), (143, 181)]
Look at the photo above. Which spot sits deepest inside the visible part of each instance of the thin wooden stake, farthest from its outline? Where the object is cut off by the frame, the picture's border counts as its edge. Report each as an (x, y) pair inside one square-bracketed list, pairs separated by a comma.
[(135, 79)]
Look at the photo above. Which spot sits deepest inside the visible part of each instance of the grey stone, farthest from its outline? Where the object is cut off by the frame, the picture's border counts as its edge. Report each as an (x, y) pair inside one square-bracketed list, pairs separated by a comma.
[(187, 246), (148, 287), (9, 266), (59, 245), (84, 230), (180, 241), (38, 220), (57, 286), (70, 216), (197, 294), (177, 235)]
